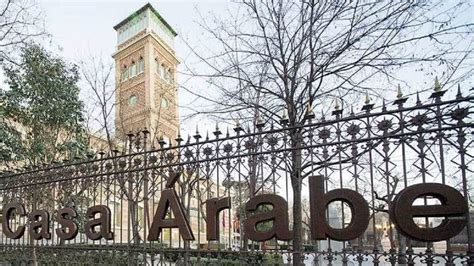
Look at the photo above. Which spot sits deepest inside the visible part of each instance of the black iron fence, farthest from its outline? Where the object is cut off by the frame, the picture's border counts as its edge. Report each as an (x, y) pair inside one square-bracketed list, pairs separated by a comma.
[(376, 152)]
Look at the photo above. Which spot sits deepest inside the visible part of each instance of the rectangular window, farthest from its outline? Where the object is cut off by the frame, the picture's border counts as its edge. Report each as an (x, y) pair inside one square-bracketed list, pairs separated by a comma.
[(168, 76), (133, 70), (162, 71), (141, 65), (124, 74), (171, 77)]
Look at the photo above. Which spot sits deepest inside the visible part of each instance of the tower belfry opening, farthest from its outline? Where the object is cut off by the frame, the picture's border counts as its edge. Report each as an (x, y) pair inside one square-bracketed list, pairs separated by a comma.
[(145, 76)]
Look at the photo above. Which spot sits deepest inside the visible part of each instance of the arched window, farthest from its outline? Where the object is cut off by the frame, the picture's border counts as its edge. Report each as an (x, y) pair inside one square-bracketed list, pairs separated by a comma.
[(164, 103)]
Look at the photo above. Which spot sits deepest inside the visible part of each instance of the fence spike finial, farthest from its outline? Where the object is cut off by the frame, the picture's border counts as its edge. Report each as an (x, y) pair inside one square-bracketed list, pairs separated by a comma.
[(161, 141), (309, 108), (384, 105), (418, 102), (309, 111), (459, 94), (284, 114), (367, 98), (437, 86), (259, 120), (336, 105), (399, 92)]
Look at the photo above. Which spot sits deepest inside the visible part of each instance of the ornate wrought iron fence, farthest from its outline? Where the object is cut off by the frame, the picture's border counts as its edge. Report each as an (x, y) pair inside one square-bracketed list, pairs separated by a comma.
[(376, 152)]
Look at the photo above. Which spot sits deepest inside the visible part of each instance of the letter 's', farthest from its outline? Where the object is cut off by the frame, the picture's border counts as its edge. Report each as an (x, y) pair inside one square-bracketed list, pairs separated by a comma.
[(103, 222), (453, 208), (8, 211), (319, 201), (68, 229), (278, 214), (169, 199)]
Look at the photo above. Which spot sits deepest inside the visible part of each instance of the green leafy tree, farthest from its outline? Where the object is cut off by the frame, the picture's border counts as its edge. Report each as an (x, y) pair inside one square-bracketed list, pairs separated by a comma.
[(41, 114)]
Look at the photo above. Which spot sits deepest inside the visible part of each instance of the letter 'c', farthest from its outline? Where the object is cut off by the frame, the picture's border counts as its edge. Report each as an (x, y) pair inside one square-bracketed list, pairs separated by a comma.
[(7, 213)]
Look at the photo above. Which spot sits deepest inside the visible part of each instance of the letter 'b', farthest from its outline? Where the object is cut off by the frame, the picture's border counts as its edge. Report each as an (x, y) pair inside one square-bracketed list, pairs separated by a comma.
[(319, 201)]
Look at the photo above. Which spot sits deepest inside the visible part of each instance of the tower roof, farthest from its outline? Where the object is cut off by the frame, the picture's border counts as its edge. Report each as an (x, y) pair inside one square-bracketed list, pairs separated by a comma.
[(141, 10)]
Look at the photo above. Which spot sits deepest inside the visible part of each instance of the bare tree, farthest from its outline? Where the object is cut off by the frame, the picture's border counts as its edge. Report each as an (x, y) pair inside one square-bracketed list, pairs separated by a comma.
[(100, 89), (20, 22), (279, 60)]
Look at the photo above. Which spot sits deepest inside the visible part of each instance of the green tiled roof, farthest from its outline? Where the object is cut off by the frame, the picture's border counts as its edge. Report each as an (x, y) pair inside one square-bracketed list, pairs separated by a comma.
[(141, 10)]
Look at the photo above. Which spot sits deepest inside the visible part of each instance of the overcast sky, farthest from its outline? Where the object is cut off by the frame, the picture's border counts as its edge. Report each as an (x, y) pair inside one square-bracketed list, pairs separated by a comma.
[(87, 26)]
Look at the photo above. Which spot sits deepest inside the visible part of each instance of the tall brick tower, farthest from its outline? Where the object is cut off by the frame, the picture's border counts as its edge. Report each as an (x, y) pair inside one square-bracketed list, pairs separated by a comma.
[(145, 76)]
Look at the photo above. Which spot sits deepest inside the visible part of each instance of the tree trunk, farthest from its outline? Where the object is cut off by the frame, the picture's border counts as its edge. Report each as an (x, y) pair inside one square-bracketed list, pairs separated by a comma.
[(296, 182), (402, 247), (297, 223)]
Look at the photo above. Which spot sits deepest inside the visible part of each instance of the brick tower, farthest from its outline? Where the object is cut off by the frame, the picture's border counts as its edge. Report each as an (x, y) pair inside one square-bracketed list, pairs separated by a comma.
[(145, 76)]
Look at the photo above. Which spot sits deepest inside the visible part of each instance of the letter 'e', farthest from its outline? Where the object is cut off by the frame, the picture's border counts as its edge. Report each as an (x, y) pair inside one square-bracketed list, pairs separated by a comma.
[(453, 207)]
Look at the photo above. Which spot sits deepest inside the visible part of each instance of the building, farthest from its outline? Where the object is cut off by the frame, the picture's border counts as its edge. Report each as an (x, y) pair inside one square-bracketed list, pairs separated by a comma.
[(145, 75)]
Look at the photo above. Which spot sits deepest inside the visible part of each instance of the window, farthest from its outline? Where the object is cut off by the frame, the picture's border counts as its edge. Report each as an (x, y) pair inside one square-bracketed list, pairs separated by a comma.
[(132, 100), (124, 73), (168, 76), (162, 71), (164, 103), (141, 65), (157, 65), (133, 70)]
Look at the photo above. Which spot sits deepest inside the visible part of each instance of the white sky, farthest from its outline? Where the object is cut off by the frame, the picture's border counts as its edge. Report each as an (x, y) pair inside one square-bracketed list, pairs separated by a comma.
[(86, 26)]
